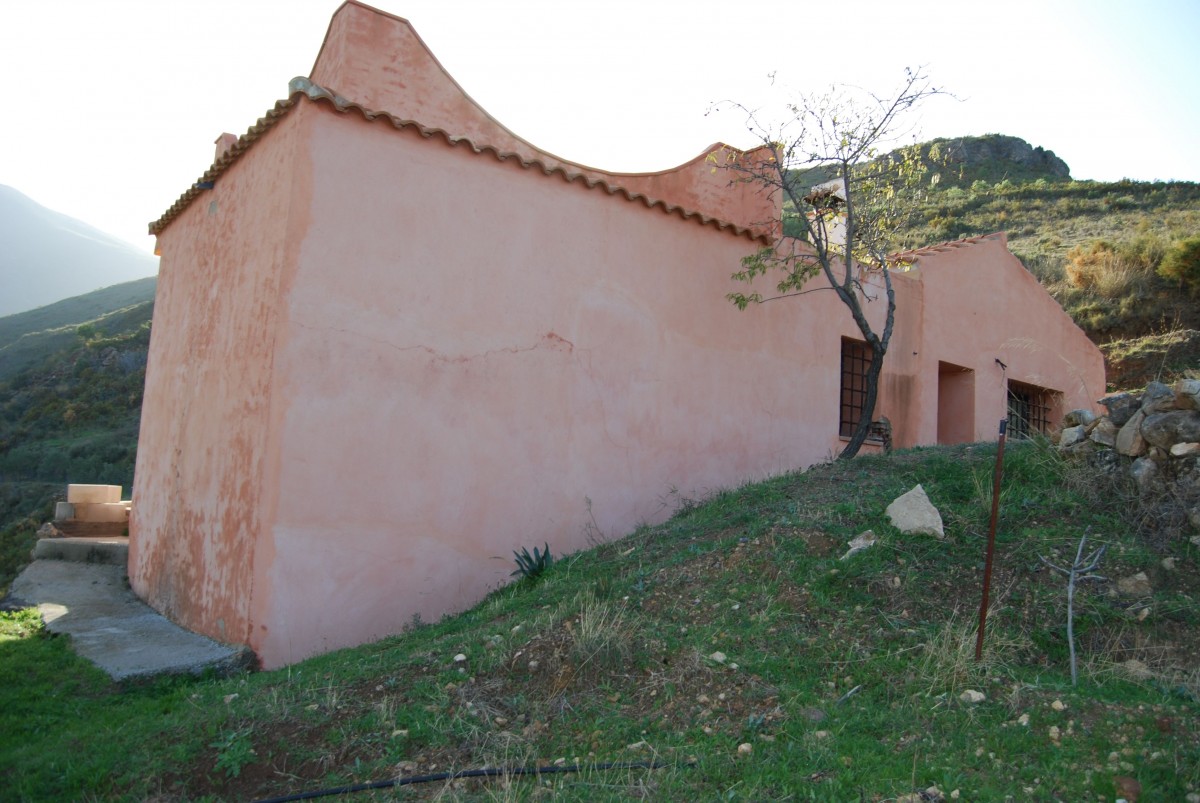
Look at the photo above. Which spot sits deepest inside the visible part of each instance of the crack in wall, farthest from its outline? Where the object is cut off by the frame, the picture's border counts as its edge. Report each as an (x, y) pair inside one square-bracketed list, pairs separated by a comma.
[(549, 341)]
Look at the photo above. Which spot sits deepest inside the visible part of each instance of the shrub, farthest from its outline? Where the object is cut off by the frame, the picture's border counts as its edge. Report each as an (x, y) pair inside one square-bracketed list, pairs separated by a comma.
[(1115, 270), (1182, 264), (532, 567)]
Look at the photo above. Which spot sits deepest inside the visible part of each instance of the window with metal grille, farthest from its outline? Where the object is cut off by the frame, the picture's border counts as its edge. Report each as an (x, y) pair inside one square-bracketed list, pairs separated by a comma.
[(856, 360), (1028, 410)]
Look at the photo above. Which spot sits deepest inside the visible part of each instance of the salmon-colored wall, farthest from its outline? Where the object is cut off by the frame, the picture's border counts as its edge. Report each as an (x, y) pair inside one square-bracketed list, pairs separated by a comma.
[(477, 357), (203, 480), (382, 360), (982, 305)]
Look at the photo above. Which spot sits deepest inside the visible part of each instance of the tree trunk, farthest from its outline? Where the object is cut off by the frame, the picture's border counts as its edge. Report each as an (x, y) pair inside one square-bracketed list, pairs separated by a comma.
[(879, 346), (863, 428)]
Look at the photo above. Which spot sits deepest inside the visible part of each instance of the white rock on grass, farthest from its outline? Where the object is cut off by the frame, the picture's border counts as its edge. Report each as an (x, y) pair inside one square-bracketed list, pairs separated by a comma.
[(913, 513), (719, 657), (860, 542), (972, 697), (1136, 670), (1136, 585)]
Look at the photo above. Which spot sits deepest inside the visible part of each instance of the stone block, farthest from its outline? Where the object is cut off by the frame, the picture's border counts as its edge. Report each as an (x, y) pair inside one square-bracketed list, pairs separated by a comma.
[(1164, 430), (63, 511), (1129, 439), (1187, 394), (93, 494), (1121, 407), (1158, 398), (1145, 472), (1071, 436), (1105, 433), (103, 512), (1078, 418)]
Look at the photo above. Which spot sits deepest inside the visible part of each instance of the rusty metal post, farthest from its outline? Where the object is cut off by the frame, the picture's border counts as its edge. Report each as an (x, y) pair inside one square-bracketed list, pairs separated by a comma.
[(997, 474)]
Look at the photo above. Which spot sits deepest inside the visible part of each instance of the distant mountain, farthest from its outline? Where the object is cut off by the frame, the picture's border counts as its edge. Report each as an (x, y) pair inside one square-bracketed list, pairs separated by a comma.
[(961, 161), (995, 157), (48, 256)]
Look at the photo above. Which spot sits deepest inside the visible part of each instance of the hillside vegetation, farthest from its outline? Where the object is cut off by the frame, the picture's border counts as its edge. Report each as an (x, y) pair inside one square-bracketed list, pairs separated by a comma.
[(732, 646), (1123, 258), (72, 418)]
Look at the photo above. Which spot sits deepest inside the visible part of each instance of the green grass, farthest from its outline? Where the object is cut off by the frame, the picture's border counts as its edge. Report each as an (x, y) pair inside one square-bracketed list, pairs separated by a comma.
[(844, 677)]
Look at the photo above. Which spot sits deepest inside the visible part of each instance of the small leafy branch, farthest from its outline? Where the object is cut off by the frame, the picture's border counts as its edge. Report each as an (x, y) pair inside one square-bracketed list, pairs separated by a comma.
[(234, 751), (1077, 572), (531, 567)]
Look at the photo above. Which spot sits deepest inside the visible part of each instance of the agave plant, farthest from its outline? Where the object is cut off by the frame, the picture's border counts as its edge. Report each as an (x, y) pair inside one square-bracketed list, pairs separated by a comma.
[(531, 567)]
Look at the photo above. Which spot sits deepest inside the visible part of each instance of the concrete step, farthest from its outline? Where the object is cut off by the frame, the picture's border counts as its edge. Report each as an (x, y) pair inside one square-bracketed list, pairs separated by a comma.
[(92, 529), (108, 550), (111, 627)]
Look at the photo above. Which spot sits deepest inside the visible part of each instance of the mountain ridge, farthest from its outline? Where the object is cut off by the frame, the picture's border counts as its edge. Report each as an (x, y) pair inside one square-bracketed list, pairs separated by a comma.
[(49, 256)]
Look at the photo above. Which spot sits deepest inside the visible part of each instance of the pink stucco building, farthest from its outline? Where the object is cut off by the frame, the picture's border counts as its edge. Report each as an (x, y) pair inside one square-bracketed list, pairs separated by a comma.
[(393, 341)]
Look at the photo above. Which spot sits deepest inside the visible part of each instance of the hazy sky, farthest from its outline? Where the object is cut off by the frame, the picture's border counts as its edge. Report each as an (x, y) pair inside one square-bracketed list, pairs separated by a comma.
[(111, 106)]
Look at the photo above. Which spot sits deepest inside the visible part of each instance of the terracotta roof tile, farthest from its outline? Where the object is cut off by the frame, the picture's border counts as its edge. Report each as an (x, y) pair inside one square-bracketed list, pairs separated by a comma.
[(302, 89), (910, 256)]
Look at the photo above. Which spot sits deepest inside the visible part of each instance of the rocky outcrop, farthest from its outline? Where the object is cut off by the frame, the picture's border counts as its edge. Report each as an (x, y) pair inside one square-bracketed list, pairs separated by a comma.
[(1152, 436), (999, 148)]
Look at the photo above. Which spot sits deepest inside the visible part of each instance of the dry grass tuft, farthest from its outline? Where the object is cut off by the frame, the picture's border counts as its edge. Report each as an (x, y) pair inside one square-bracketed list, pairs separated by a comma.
[(948, 665), (603, 635)]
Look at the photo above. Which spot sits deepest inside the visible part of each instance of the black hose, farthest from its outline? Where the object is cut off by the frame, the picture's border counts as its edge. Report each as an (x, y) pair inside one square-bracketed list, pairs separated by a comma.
[(491, 772)]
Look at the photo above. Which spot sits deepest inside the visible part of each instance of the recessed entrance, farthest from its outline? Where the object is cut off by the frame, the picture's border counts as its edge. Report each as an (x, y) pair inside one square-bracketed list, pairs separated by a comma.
[(956, 404)]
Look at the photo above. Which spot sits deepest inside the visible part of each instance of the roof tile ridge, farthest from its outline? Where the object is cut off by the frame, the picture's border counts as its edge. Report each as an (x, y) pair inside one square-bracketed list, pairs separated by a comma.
[(303, 86), (937, 248), (218, 167)]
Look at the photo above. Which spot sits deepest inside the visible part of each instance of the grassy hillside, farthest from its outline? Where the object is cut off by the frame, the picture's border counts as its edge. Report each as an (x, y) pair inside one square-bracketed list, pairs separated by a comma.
[(732, 645), (72, 418), (75, 311), (29, 338), (1095, 246)]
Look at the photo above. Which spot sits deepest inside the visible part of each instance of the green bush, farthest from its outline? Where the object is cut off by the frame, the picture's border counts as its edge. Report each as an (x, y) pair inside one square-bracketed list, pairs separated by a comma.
[(1182, 264)]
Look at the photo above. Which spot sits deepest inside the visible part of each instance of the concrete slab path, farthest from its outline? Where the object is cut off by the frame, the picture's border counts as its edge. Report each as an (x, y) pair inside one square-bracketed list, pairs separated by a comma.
[(110, 626)]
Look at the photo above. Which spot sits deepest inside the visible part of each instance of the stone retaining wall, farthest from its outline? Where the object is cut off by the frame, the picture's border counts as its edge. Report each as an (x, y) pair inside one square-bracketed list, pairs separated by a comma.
[(1154, 435)]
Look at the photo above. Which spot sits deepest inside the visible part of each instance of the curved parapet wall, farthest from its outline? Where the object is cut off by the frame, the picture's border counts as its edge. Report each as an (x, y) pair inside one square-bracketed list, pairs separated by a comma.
[(675, 183), (378, 61)]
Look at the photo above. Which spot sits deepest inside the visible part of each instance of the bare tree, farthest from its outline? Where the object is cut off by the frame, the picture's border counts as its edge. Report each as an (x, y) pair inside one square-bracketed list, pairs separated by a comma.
[(842, 228), (1078, 572)]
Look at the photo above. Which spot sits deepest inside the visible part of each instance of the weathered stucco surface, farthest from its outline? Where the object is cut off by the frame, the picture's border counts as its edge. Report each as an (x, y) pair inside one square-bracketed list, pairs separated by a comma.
[(383, 359), (204, 470)]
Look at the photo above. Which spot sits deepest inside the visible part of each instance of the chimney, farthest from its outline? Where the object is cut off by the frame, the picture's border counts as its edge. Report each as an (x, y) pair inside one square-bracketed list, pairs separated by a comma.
[(224, 143), (831, 195)]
